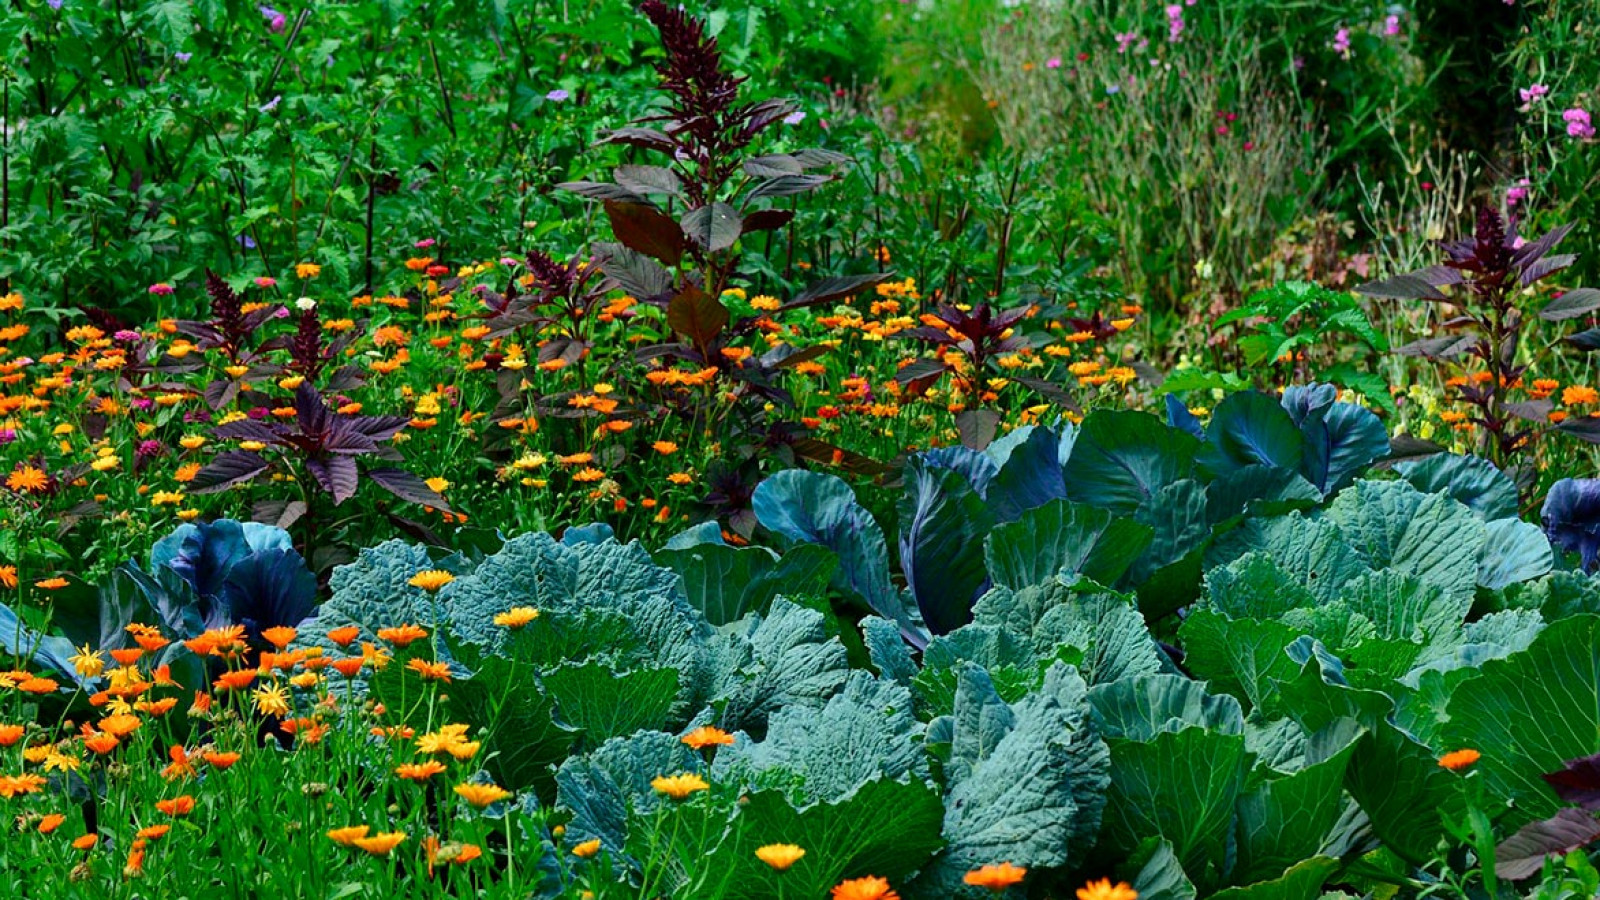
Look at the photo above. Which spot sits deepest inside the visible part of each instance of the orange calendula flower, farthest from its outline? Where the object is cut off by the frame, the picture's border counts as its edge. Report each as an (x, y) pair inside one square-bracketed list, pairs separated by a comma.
[(587, 848), (101, 743), (481, 795), (430, 580), (349, 834), (1105, 890), (236, 680), (380, 844), (177, 806), (18, 785), (430, 671), (680, 786), (419, 771), (279, 636), (1579, 395), (10, 734), (345, 636), (38, 686), (51, 823), (51, 584), (27, 479), (516, 617), (220, 761), (402, 635), (86, 842), (707, 736), (868, 888), (780, 856), (154, 832), (8, 576), (995, 877), (1459, 760)]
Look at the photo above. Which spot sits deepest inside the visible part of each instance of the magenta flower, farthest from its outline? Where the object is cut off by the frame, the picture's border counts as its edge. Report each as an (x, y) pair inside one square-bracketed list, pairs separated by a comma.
[(1391, 26), (1174, 22), (1578, 124), (266, 281), (1053, 62), (1533, 93), (1517, 193), (161, 288), (1341, 42), (275, 19), (1125, 40)]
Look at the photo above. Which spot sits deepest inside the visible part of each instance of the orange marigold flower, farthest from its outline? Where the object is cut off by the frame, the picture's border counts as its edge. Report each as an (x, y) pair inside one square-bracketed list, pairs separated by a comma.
[(348, 834), (430, 671), (17, 785), (236, 680), (380, 844), (868, 888), (120, 725), (707, 736), (127, 656), (1459, 760), (587, 848), (27, 479), (402, 635), (780, 856), (995, 877), (481, 795), (38, 686), (101, 743), (431, 580), (8, 576), (51, 823), (419, 771), (1579, 395), (86, 842), (1105, 890), (154, 832), (10, 734), (345, 636), (51, 584), (220, 761), (665, 448), (679, 786), (177, 806), (279, 636), (348, 667)]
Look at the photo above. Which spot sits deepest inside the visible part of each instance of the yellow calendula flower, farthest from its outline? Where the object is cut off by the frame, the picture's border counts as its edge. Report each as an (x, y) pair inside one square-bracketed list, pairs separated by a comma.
[(680, 786), (516, 617), (431, 580), (780, 856)]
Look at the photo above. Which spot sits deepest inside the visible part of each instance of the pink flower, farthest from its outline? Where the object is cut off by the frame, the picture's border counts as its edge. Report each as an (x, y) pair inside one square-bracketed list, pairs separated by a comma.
[(1391, 26), (1174, 22), (1053, 62), (424, 243), (1533, 93), (1578, 124), (162, 288), (1517, 193), (266, 281), (1125, 40), (1341, 42)]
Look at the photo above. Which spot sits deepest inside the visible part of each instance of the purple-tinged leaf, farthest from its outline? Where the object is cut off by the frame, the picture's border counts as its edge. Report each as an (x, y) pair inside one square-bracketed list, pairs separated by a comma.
[(1578, 782), (1535, 249), (636, 273), (408, 487), (767, 220), (788, 185), (345, 439), (226, 470), (205, 333), (600, 190), (221, 392), (1583, 428), (920, 370), (1571, 517), (1441, 276), (1523, 854), (246, 430), (1586, 340), (278, 513), (311, 411), (338, 475), (1411, 286), (713, 227), (696, 315), (378, 428), (774, 166), (1531, 410), (647, 230), (647, 138), (834, 287), (1546, 267), (346, 378), (1438, 348), (977, 427), (817, 158), (649, 180), (1571, 305), (794, 358)]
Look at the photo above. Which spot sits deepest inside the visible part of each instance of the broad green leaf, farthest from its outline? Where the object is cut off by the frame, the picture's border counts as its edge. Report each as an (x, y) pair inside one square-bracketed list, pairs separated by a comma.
[(1247, 429), (1181, 786), (727, 583), (1396, 526), (1514, 551), (1471, 480), (1242, 657), (1178, 523), (1303, 881), (1141, 708), (943, 523), (1531, 712), (1288, 819), (1156, 874), (607, 704), (1123, 458), (1062, 539)]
